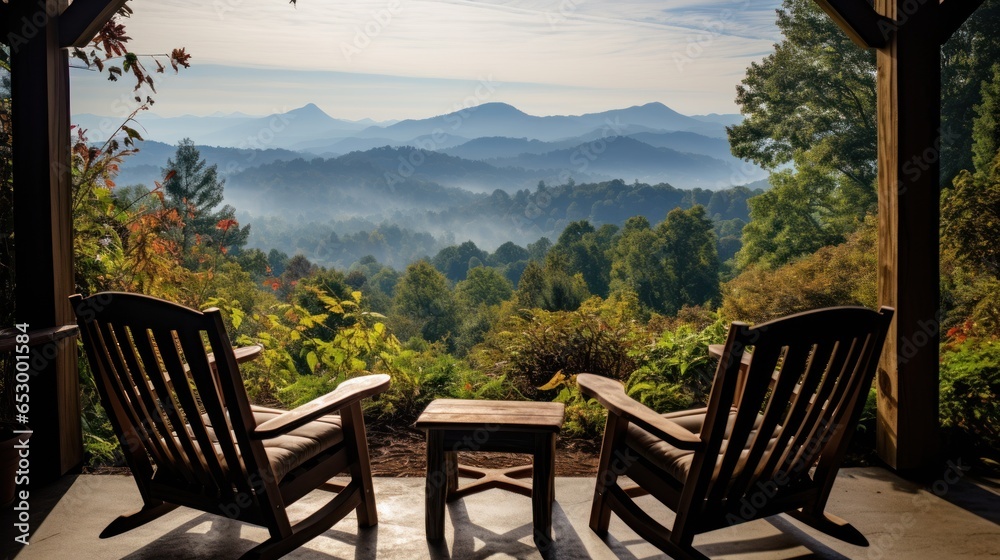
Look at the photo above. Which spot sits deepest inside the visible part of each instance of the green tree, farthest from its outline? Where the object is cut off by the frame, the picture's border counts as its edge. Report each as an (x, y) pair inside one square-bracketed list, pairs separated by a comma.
[(690, 258), (970, 225), (277, 261), (531, 287), (673, 265), (454, 261), (802, 212), (583, 250), (986, 127), (971, 209), (636, 266), (815, 93), (508, 253), (254, 261), (483, 286), (538, 249), (194, 189), (966, 62), (842, 274), (423, 296)]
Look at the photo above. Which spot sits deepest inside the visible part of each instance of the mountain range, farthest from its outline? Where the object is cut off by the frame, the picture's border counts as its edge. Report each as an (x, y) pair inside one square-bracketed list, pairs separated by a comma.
[(492, 146)]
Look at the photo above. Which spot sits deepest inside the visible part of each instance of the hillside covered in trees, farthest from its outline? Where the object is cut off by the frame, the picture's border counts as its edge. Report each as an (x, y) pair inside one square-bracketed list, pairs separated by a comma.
[(511, 292)]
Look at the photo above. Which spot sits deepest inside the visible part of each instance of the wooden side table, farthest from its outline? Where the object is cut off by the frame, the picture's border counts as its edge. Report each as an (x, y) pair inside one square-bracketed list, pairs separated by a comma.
[(506, 426)]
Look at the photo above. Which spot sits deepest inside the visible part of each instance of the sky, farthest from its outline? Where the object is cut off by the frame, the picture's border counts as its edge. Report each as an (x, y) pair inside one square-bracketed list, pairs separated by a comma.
[(396, 59)]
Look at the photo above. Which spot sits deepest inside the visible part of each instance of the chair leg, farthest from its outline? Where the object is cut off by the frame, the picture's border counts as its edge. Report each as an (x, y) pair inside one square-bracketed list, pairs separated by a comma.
[(677, 547), (310, 527), (149, 512), (361, 470), (608, 471), (831, 525)]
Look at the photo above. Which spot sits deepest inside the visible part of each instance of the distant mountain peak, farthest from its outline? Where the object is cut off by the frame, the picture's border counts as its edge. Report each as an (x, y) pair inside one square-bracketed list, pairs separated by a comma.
[(310, 110), (498, 108)]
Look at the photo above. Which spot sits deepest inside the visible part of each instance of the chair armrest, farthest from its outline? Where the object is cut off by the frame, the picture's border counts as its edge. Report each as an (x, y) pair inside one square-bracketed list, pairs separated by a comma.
[(346, 394), (611, 394)]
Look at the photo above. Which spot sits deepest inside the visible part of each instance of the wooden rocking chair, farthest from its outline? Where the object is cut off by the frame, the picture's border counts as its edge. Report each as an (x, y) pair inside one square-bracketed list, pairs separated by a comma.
[(770, 440), (169, 381)]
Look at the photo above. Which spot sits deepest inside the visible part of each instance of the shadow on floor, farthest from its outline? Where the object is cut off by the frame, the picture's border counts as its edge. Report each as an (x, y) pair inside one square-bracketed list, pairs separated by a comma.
[(566, 544), (41, 503), (211, 536)]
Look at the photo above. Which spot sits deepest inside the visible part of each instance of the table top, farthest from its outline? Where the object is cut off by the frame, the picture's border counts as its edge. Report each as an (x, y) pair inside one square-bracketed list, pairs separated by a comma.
[(506, 415), (247, 353)]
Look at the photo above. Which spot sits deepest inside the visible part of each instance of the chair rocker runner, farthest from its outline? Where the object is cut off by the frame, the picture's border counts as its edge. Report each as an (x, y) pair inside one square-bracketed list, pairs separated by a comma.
[(191, 437), (771, 439)]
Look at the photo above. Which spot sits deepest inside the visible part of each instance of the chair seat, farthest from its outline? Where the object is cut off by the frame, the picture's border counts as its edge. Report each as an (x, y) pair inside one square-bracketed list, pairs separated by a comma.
[(677, 462), (288, 451)]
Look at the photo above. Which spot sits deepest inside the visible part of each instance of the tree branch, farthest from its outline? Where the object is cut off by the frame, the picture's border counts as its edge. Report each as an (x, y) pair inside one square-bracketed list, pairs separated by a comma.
[(81, 21), (859, 21), (952, 14)]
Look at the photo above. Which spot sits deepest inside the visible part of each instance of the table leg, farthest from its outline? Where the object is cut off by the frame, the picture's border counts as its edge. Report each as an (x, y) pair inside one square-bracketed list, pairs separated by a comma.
[(436, 489), (543, 487), (451, 467)]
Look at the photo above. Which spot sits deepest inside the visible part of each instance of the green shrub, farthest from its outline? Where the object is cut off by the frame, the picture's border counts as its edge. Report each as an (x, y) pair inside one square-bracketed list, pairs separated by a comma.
[(585, 418), (531, 347), (100, 444), (675, 372), (970, 383)]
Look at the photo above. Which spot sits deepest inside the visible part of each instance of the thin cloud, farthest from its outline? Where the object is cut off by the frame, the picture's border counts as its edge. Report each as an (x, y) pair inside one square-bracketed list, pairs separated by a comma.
[(689, 54)]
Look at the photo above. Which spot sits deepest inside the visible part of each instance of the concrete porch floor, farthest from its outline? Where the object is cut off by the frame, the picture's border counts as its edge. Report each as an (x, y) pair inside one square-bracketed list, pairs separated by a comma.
[(901, 520)]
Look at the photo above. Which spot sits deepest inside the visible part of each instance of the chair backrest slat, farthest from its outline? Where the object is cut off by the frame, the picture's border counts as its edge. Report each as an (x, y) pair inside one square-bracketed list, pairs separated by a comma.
[(135, 374), (805, 386), (202, 376), (727, 380), (754, 390), (832, 413), (194, 431), (812, 425), (789, 435), (157, 380)]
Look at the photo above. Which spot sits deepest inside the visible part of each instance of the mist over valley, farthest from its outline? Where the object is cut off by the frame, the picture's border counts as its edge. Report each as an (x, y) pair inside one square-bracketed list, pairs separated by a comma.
[(337, 190)]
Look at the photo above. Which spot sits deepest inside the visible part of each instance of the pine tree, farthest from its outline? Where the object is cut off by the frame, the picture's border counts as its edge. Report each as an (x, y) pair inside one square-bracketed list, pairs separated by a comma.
[(194, 189), (986, 127)]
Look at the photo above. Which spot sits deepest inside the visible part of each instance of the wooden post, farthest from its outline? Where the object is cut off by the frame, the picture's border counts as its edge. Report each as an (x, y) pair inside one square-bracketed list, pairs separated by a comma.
[(43, 229), (909, 36), (909, 149)]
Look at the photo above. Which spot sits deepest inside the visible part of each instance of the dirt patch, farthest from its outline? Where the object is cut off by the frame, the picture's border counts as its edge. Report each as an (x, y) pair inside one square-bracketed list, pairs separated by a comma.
[(403, 453)]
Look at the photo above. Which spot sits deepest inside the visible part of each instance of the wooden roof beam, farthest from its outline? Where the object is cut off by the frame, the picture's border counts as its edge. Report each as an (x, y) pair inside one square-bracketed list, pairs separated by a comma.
[(83, 19), (5, 18), (860, 22), (952, 14)]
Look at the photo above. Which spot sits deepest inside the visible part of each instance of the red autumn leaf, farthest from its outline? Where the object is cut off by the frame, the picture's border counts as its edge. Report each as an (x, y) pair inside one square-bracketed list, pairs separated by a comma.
[(227, 223)]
